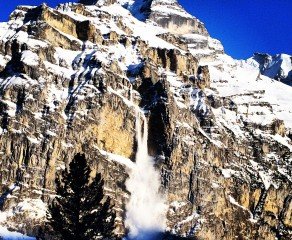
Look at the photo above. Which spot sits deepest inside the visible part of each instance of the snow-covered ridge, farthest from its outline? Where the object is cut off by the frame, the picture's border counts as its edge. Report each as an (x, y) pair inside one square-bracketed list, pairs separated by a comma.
[(166, 13), (142, 8), (259, 98), (278, 67)]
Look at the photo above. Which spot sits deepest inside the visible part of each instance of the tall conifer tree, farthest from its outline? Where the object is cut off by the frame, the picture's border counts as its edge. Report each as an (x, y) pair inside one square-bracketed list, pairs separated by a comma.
[(79, 211)]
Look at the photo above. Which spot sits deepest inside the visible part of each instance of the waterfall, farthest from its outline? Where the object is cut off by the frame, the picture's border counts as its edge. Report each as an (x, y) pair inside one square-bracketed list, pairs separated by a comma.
[(146, 208)]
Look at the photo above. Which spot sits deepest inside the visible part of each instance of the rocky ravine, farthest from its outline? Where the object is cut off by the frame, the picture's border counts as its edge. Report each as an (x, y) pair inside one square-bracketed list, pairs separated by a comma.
[(219, 129)]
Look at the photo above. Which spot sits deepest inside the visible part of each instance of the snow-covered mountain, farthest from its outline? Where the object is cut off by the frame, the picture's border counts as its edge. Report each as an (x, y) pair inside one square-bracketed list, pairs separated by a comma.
[(276, 67), (73, 78), (166, 13)]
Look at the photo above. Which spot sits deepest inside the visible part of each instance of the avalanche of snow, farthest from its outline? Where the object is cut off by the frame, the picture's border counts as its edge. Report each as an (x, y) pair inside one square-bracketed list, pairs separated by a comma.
[(146, 210)]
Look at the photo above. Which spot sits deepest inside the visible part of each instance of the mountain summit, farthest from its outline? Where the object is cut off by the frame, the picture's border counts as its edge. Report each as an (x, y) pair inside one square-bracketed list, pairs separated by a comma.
[(166, 13), (278, 67), (188, 139)]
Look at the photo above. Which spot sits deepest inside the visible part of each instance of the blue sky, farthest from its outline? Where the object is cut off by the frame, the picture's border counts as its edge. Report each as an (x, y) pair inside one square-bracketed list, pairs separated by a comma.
[(247, 26), (243, 26)]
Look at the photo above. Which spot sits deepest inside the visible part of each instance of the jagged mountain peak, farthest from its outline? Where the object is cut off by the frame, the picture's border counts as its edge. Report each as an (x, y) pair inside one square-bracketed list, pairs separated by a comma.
[(278, 66), (166, 13), (131, 2), (142, 9)]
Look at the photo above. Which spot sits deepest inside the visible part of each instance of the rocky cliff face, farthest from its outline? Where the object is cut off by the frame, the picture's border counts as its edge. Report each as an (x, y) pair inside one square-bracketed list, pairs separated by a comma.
[(219, 130)]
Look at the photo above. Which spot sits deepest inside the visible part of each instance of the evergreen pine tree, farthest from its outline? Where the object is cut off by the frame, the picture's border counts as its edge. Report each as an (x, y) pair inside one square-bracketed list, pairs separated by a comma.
[(79, 210)]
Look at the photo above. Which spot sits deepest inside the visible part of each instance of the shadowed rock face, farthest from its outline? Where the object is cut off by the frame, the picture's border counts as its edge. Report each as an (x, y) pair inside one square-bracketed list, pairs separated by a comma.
[(68, 83), (170, 15)]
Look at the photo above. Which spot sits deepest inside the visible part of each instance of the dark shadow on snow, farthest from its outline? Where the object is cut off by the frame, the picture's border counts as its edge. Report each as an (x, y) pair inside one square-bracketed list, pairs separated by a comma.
[(159, 236)]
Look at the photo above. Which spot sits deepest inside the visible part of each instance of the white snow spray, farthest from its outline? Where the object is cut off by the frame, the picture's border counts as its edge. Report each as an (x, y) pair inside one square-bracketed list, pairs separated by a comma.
[(146, 208)]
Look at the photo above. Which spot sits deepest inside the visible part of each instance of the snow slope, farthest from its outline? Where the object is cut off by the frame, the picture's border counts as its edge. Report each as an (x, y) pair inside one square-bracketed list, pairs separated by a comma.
[(5, 234)]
